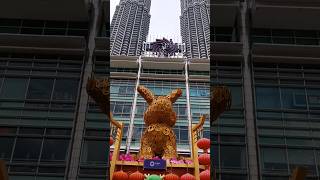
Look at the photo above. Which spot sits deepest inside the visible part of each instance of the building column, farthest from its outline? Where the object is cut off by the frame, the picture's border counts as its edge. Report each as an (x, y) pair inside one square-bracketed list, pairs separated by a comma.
[(79, 124), (253, 164)]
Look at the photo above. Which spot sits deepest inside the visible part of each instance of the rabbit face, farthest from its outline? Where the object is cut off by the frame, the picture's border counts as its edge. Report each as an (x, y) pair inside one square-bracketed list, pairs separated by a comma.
[(160, 109)]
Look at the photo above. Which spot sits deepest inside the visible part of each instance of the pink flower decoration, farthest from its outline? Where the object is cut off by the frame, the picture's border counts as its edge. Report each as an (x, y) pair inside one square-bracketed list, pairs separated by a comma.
[(121, 157), (174, 161), (141, 159), (189, 161), (180, 162), (156, 158)]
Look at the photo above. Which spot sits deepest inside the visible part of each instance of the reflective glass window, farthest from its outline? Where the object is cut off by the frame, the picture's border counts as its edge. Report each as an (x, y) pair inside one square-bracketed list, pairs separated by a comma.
[(6, 145), (65, 89), (267, 97), (232, 157), (14, 88), (27, 149), (94, 152), (54, 150), (40, 89), (274, 159)]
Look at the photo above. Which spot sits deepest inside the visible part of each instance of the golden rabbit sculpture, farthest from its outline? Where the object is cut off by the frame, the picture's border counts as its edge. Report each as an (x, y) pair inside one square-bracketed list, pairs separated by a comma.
[(159, 139)]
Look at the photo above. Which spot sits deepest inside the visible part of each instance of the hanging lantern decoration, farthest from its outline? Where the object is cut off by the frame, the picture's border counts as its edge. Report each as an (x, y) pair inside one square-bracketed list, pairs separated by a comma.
[(188, 177), (120, 175), (171, 176), (111, 141), (204, 144), (205, 175), (204, 159), (136, 176)]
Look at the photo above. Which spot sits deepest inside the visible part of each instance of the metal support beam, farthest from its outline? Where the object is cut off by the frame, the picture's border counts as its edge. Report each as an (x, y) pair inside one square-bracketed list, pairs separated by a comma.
[(133, 109), (186, 67)]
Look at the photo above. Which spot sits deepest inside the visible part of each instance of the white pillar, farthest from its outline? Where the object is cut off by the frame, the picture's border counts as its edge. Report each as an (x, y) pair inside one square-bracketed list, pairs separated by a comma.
[(133, 109), (186, 67)]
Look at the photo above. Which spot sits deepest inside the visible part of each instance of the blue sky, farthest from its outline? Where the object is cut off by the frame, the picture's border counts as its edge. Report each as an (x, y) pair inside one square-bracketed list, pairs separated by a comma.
[(164, 21)]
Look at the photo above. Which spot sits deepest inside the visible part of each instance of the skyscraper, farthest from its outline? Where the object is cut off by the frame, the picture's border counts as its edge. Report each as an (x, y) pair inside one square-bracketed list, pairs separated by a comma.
[(129, 27), (195, 30), (268, 53), (48, 129)]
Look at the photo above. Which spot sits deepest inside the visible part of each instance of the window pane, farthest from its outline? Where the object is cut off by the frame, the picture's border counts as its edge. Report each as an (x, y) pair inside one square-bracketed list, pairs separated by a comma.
[(267, 97), (301, 157), (274, 159), (32, 23), (27, 149), (40, 89), (314, 98), (293, 98), (232, 139), (233, 177), (7, 130), (232, 157), (33, 131), (94, 152), (55, 150), (50, 178), (10, 22), (184, 134), (65, 89), (14, 88), (6, 147), (54, 31), (23, 168), (236, 96), (22, 178), (56, 24), (66, 132), (275, 178)]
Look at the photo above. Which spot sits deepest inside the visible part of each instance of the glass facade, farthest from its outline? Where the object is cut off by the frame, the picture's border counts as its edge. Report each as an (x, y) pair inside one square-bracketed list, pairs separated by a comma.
[(278, 91), (286, 36), (94, 156), (38, 99), (228, 134), (287, 120), (225, 34), (43, 27)]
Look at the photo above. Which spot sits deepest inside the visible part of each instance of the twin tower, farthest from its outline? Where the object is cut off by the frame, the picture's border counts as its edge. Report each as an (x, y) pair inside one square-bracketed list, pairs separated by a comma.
[(130, 26)]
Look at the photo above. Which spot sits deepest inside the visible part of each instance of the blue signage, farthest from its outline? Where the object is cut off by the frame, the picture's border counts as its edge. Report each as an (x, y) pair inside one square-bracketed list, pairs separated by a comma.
[(159, 164)]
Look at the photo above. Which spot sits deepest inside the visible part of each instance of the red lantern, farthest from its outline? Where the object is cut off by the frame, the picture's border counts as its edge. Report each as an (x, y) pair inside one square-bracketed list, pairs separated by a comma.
[(136, 176), (111, 141), (171, 177), (120, 175), (188, 177), (204, 159), (205, 175), (203, 143)]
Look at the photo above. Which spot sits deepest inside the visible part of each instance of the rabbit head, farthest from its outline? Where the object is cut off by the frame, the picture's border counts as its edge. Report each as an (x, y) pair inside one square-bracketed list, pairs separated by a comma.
[(160, 109)]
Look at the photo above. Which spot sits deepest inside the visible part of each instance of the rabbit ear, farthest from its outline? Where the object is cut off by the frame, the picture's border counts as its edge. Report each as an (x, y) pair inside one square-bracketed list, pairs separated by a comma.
[(174, 95), (146, 94)]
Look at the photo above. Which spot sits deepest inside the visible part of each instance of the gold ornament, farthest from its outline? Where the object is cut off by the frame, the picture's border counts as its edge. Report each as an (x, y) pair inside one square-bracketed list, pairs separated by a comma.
[(98, 90), (220, 101), (159, 138)]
